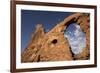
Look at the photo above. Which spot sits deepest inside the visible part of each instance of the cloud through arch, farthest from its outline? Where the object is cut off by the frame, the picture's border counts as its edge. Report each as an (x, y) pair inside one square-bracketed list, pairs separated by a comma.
[(76, 38)]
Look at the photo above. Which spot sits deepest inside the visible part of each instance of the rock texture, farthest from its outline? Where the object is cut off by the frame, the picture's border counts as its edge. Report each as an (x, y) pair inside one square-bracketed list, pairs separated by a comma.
[(53, 46)]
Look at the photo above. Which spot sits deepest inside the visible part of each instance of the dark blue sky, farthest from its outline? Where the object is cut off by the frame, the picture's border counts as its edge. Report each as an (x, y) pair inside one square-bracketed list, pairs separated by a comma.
[(30, 18)]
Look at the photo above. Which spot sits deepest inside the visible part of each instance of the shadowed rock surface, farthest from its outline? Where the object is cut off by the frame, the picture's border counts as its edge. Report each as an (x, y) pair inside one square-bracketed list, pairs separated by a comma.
[(53, 46)]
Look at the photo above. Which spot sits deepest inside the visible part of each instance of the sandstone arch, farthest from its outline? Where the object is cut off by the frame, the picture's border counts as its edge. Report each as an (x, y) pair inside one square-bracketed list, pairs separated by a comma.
[(44, 50)]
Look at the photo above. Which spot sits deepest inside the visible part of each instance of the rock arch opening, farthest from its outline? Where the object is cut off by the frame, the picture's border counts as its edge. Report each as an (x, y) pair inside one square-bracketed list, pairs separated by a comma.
[(76, 38)]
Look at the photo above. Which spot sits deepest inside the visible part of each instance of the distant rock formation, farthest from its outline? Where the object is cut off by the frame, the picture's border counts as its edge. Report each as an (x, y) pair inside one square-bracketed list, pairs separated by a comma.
[(53, 46)]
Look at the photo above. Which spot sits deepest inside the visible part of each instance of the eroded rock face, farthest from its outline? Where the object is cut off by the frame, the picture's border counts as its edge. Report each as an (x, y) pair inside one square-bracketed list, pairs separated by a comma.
[(53, 46), (31, 52)]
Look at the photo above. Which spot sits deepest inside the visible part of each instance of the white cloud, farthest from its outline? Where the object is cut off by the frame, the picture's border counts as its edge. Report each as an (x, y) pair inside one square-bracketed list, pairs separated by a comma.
[(77, 31), (77, 26), (67, 34), (70, 32), (79, 45)]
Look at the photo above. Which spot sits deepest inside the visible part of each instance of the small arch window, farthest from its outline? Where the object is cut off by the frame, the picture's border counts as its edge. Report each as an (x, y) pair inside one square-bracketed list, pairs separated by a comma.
[(54, 41)]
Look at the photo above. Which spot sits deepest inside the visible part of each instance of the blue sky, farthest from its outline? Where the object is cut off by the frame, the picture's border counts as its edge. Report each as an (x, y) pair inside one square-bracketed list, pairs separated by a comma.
[(30, 18)]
